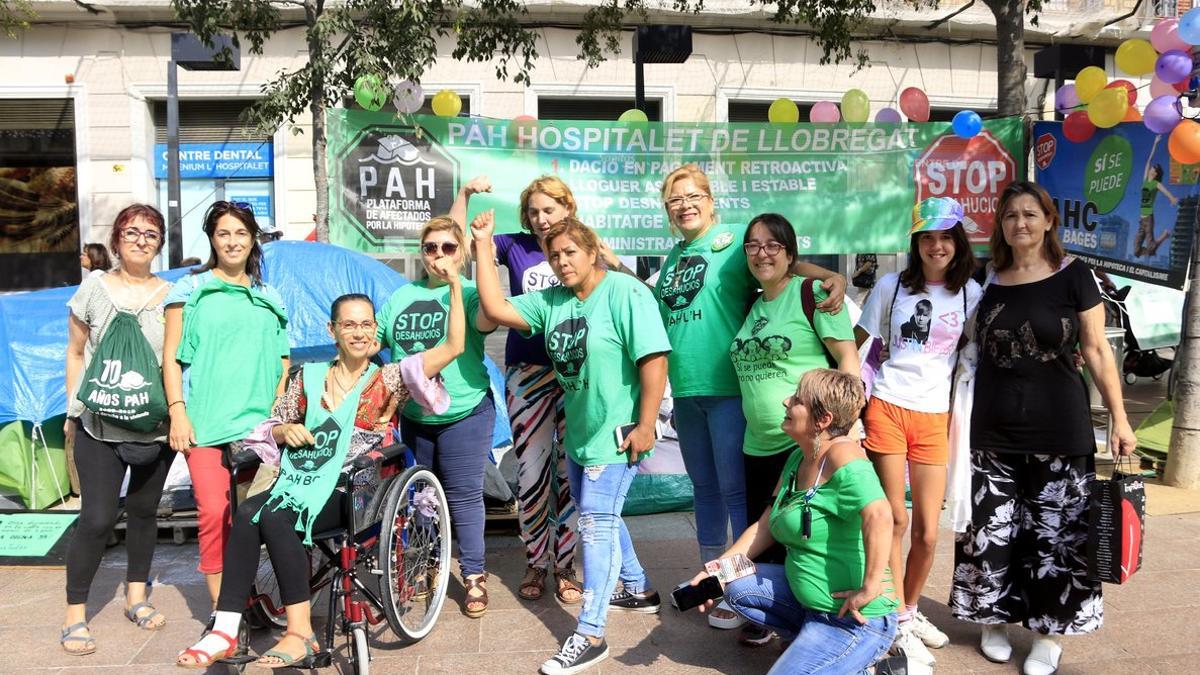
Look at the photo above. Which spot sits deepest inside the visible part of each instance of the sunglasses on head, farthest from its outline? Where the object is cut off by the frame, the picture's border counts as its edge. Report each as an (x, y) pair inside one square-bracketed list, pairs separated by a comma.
[(245, 206), (431, 247)]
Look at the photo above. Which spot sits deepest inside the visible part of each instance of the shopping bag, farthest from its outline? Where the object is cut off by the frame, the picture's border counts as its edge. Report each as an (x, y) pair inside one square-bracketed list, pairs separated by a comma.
[(1116, 517)]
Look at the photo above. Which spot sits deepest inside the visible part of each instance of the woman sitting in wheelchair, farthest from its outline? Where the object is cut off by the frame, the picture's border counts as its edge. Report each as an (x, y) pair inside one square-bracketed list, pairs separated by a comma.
[(356, 400)]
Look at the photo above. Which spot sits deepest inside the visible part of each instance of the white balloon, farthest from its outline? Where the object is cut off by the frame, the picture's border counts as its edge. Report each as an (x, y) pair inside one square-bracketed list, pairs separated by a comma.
[(408, 97)]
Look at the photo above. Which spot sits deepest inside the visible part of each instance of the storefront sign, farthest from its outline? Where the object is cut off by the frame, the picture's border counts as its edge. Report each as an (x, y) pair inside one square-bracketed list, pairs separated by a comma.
[(254, 159)]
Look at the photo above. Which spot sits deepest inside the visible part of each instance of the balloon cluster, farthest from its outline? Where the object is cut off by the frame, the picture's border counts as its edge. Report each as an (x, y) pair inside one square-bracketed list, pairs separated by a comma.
[(855, 108), (1093, 102), (372, 93)]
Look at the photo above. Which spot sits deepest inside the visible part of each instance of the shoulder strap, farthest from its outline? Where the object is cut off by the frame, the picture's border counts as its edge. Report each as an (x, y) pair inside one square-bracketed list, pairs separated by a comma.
[(808, 301), (885, 331)]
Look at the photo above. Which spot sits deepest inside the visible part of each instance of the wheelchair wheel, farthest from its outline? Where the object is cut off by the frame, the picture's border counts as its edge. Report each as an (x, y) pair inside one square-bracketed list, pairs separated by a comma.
[(266, 585), (414, 552), (360, 653)]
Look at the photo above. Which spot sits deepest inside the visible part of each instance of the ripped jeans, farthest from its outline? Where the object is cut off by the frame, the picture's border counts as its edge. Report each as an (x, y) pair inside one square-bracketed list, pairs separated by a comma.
[(599, 493)]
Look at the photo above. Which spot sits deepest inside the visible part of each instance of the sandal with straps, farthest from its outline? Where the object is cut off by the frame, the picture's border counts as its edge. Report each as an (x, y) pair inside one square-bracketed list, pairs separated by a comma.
[(68, 637), (533, 585), (475, 583), (565, 578), (311, 649), (201, 660), (143, 622)]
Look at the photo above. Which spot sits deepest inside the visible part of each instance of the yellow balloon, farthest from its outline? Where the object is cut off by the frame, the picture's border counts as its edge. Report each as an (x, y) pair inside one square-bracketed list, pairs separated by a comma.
[(1108, 108), (856, 106), (1089, 82), (1136, 57), (783, 111), (446, 103)]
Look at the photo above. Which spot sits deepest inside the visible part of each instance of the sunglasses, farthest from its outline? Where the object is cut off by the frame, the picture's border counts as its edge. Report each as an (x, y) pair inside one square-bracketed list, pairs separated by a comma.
[(431, 247), (245, 206)]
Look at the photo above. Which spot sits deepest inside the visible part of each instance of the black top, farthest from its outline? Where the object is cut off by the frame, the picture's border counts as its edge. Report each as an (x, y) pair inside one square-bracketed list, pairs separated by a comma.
[(1029, 396)]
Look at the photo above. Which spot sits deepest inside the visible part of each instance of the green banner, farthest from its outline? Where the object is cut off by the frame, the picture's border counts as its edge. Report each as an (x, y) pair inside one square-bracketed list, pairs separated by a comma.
[(846, 188)]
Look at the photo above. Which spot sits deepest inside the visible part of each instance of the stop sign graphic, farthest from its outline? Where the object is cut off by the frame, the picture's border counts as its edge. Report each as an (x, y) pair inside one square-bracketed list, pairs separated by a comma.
[(972, 170)]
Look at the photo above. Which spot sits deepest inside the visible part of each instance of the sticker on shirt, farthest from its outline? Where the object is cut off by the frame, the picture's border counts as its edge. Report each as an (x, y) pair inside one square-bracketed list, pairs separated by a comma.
[(757, 358), (566, 344), (722, 241), (922, 333), (309, 460), (419, 326), (538, 277), (682, 284)]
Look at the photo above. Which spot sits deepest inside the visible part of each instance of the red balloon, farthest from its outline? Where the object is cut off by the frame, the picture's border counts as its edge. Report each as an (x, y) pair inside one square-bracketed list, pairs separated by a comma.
[(1077, 127), (914, 104), (1130, 90), (1184, 144)]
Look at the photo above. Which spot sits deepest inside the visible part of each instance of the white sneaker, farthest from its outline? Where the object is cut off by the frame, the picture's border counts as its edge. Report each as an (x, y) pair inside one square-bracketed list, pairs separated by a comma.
[(993, 642), (923, 628), (722, 616), (1043, 658), (910, 645)]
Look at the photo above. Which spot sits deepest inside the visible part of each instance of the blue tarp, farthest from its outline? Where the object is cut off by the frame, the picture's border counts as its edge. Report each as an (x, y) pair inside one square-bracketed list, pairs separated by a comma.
[(33, 326)]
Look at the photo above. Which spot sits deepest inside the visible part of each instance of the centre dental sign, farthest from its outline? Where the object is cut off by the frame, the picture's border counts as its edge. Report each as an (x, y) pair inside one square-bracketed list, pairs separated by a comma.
[(218, 160)]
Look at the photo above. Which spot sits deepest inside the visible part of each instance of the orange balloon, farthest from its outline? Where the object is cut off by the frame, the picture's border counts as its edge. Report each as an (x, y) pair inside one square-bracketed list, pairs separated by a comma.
[(1184, 144), (1132, 115)]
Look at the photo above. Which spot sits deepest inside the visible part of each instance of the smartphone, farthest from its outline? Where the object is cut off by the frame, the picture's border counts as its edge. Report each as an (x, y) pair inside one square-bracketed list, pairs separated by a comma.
[(686, 596), (624, 430)]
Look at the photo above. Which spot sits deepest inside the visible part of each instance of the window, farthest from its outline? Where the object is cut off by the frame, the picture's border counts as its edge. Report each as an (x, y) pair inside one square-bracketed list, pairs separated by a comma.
[(947, 114), (756, 111), (587, 108)]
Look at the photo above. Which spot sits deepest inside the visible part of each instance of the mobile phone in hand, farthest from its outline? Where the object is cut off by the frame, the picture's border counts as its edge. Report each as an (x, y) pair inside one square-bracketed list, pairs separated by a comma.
[(686, 596), (624, 430)]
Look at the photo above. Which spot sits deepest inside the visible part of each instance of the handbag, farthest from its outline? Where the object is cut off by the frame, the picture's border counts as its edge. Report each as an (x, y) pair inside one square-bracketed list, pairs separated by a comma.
[(1116, 519), (138, 454), (873, 363)]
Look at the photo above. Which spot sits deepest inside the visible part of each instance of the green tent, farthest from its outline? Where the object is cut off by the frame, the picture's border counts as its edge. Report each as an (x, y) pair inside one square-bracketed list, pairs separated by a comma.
[(33, 464), (1154, 433)]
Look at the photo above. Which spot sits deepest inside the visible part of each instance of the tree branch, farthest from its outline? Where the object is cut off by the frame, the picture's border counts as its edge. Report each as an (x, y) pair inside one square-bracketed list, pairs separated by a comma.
[(953, 14)]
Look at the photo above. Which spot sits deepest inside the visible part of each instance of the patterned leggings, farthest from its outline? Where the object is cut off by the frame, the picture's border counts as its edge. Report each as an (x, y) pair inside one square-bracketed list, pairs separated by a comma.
[(548, 516), (1023, 558)]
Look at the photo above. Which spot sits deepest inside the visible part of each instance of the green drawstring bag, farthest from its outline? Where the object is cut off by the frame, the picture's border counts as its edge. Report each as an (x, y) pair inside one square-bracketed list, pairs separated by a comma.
[(123, 382)]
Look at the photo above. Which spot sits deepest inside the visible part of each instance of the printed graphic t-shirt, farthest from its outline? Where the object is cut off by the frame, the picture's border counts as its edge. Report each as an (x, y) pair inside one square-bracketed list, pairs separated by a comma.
[(923, 338), (528, 271), (415, 319), (1149, 194), (775, 346), (594, 345), (704, 290)]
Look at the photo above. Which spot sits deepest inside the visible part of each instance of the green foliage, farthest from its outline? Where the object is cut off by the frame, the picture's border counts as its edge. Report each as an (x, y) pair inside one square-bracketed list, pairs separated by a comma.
[(15, 16)]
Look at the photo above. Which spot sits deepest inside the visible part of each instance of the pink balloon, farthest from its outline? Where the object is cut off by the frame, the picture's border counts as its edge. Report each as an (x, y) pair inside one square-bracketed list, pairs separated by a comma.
[(1165, 36), (887, 116), (1160, 88), (915, 104), (824, 112)]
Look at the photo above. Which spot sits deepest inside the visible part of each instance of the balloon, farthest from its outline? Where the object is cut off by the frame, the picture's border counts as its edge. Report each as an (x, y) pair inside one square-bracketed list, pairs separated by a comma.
[(1184, 144), (1136, 57), (1189, 27), (408, 97), (1165, 36), (967, 124), (856, 107), (446, 104), (1077, 127), (1132, 115), (1174, 66), (1130, 90), (783, 111), (824, 112), (888, 116), (633, 115), (915, 104), (521, 126), (1162, 114), (1089, 82), (1160, 88), (1065, 99), (1108, 108), (370, 92)]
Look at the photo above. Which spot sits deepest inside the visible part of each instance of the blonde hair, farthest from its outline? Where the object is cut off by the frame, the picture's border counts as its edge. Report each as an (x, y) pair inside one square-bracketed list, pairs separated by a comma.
[(824, 391), (698, 177), (447, 224), (554, 188), (572, 227)]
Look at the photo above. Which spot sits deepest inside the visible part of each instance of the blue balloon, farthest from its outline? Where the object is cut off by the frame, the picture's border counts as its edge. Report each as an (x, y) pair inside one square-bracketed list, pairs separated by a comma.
[(967, 124), (1189, 26)]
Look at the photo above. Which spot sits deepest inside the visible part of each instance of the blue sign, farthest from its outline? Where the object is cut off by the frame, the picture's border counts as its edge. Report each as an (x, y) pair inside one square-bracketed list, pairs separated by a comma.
[(259, 204), (218, 160)]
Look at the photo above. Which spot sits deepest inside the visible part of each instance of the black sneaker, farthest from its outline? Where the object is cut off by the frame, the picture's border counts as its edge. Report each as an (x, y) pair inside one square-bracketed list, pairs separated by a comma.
[(646, 602), (576, 655)]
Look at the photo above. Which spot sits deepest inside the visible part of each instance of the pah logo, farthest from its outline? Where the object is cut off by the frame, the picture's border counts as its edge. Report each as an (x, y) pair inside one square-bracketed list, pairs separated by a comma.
[(567, 346), (683, 282), (112, 377), (419, 326), (314, 457)]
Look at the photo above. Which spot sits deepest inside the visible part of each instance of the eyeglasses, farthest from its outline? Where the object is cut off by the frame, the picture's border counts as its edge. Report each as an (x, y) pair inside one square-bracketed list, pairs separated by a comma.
[(448, 247), (131, 235), (686, 200), (350, 326), (771, 247)]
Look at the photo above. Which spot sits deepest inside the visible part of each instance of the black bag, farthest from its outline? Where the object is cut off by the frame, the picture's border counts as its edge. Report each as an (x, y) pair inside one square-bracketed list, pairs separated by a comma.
[(138, 454), (1116, 517), (808, 302)]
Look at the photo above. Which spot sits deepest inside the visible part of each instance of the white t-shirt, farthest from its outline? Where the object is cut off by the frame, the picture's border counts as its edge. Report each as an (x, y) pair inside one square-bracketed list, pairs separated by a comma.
[(925, 330)]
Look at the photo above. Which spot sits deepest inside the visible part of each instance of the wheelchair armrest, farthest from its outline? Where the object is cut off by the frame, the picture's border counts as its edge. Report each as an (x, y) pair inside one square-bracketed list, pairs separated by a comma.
[(381, 455), (241, 458)]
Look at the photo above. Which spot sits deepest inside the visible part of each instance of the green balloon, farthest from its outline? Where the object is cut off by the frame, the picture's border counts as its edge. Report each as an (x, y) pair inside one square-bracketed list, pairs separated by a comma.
[(633, 115), (1108, 171), (370, 92), (856, 106)]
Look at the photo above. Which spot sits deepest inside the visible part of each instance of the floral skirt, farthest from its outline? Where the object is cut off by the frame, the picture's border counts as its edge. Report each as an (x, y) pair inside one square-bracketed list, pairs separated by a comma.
[(1023, 558)]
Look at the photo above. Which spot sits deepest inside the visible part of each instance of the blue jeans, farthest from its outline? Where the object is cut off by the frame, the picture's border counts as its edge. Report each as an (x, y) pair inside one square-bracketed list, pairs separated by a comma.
[(823, 643), (711, 431), (608, 554)]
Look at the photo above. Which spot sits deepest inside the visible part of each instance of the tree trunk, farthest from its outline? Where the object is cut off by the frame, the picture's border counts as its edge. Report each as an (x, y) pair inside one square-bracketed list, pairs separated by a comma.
[(316, 55), (1010, 55), (1183, 462)]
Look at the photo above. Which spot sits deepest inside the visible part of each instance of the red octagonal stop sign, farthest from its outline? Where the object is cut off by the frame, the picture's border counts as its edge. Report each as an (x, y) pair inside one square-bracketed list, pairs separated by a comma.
[(972, 170)]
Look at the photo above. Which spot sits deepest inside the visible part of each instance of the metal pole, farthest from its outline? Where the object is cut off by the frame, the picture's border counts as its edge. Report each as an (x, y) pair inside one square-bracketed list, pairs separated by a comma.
[(639, 82), (174, 219)]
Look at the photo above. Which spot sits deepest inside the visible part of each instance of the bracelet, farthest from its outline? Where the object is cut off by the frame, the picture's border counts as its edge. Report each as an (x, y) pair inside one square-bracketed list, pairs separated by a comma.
[(175, 403)]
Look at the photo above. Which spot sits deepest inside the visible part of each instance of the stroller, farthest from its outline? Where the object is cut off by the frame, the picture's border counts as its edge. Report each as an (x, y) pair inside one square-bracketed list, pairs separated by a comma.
[(1137, 362)]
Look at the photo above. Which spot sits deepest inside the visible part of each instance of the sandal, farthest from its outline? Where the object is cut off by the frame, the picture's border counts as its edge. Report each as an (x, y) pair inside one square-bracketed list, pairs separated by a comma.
[(476, 583), (533, 585), (201, 660), (311, 649), (143, 621), (568, 584), (67, 636)]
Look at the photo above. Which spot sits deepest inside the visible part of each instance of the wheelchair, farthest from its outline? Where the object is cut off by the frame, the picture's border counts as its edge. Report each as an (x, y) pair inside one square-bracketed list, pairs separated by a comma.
[(389, 561)]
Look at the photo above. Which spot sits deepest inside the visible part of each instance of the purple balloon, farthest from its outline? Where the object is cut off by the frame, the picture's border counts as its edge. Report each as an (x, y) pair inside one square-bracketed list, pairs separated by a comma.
[(1162, 114), (887, 116), (1173, 66), (1066, 100)]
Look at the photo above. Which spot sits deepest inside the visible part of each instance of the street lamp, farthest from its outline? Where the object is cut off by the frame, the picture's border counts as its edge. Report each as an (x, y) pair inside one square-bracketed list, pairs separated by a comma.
[(657, 44)]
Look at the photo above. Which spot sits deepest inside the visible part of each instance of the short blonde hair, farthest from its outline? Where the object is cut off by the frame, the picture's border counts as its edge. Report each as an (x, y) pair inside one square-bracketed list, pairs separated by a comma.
[(686, 171), (583, 236), (447, 224), (554, 188), (832, 392)]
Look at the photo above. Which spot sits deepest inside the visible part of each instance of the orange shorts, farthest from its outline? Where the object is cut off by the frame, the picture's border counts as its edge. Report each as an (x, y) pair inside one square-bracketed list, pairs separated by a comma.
[(892, 430)]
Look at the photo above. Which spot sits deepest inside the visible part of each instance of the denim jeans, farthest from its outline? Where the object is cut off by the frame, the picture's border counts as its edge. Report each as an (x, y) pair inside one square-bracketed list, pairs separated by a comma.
[(711, 431), (823, 643), (608, 554)]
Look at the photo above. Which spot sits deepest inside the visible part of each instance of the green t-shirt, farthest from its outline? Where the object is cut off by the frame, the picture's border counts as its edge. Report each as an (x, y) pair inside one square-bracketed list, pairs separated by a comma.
[(594, 345), (704, 290), (415, 319), (775, 346), (1149, 193), (832, 558), (233, 344)]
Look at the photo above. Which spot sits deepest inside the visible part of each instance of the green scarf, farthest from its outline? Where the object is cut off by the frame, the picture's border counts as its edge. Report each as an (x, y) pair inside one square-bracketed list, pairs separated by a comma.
[(308, 476)]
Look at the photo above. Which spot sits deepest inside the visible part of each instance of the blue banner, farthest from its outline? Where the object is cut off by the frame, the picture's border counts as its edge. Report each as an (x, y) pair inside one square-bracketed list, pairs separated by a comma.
[(1125, 206), (254, 159)]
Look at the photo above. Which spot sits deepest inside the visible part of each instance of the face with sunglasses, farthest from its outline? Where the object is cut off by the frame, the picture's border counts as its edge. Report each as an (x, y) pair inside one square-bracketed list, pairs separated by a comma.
[(438, 245)]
